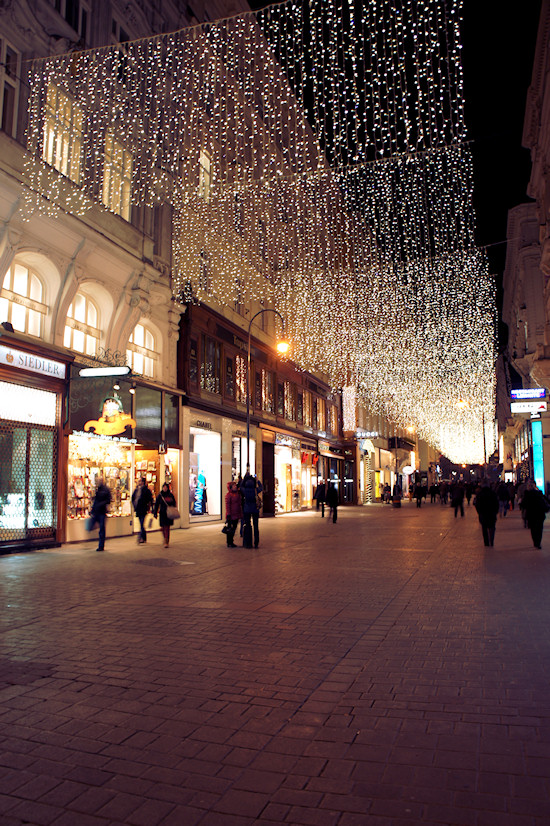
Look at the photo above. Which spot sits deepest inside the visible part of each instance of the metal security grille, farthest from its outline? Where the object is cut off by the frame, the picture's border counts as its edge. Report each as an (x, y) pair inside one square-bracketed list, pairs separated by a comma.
[(28, 476)]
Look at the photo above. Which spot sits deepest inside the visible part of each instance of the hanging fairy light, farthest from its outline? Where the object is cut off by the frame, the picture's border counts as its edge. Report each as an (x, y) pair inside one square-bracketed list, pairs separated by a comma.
[(314, 154)]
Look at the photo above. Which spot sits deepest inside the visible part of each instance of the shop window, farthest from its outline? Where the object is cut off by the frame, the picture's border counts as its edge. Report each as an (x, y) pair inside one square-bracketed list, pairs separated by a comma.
[(307, 409), (21, 300), (290, 401), (240, 379), (193, 362), (117, 177), (267, 391), (28, 463), (210, 367), (314, 414), (229, 390), (9, 87), (334, 420), (82, 331), (63, 134), (204, 472), (205, 175), (280, 399), (141, 352)]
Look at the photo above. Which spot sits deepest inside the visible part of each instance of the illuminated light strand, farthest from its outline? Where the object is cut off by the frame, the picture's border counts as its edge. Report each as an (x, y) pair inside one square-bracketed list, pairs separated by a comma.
[(356, 221)]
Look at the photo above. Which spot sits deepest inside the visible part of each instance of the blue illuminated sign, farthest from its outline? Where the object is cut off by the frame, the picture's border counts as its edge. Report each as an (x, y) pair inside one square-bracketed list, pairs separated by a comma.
[(529, 393), (538, 458)]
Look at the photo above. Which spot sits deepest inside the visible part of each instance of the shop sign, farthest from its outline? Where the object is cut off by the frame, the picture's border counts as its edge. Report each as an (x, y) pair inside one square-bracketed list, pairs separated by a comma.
[(287, 441), (241, 433), (162, 447), (113, 419), (528, 407), (203, 425), (529, 393), (366, 434), (268, 436), (324, 447), (123, 440), (29, 361)]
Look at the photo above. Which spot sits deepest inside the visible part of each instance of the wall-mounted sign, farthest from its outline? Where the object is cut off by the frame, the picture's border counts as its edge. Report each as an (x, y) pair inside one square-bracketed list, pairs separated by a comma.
[(408, 470), (529, 393), (528, 407), (287, 441), (113, 419), (366, 434), (32, 362), (203, 425)]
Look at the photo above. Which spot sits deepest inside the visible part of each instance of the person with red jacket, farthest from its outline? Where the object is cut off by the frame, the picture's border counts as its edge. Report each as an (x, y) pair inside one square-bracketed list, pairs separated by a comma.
[(233, 513)]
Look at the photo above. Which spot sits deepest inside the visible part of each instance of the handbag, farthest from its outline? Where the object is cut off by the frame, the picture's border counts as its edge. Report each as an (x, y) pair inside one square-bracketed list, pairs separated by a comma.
[(172, 512), (225, 529), (90, 523)]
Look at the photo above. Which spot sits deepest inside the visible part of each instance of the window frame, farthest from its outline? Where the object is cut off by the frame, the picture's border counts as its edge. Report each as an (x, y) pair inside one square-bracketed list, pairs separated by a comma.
[(147, 353), (14, 298), (10, 81), (87, 329)]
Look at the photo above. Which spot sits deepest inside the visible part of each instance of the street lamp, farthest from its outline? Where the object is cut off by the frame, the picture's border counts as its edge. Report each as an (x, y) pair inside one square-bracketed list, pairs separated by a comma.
[(283, 346)]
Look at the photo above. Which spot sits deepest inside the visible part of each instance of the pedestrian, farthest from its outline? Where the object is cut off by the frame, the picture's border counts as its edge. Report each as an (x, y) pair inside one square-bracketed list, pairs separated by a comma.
[(233, 512), (486, 505), (98, 513), (433, 492), (332, 501), (320, 497), (536, 507), (166, 509), (142, 501), (503, 499), (468, 490), (251, 489), (418, 494), (457, 499)]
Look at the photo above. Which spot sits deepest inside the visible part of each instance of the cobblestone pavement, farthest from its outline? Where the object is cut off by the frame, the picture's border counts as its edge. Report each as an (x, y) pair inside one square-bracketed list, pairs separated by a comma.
[(388, 670)]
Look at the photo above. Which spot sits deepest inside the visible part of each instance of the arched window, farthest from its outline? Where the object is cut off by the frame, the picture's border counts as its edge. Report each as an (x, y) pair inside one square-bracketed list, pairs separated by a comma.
[(141, 353), (21, 300), (82, 331)]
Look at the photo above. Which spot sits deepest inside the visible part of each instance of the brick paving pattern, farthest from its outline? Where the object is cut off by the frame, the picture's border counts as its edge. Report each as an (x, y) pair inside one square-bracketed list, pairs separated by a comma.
[(388, 670)]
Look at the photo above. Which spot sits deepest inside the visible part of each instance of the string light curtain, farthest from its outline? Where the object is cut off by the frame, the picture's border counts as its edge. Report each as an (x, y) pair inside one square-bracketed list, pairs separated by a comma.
[(315, 156)]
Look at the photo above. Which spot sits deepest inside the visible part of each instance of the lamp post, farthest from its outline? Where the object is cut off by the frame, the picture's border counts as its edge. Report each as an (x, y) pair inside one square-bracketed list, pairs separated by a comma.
[(283, 346)]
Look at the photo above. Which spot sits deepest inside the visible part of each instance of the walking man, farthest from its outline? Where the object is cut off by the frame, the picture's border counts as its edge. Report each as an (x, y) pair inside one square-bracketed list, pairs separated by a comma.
[(101, 502)]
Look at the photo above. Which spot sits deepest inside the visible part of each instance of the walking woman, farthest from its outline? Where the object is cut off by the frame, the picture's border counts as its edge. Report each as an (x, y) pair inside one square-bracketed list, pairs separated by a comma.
[(536, 507), (166, 510)]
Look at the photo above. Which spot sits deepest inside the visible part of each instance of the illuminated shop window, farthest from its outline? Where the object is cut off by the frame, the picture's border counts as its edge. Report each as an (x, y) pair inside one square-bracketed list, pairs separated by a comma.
[(268, 400), (141, 353), (307, 409), (290, 401), (240, 379), (82, 331), (21, 300), (63, 134)]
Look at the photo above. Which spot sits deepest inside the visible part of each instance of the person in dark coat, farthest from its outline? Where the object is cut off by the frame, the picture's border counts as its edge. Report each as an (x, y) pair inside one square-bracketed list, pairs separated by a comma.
[(332, 500), (101, 502), (503, 494), (250, 490), (418, 493), (486, 504), (142, 501), (320, 496), (536, 507), (457, 499), (233, 513), (164, 500)]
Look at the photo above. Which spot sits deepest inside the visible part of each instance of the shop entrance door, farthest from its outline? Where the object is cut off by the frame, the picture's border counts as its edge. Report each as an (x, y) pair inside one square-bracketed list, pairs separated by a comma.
[(28, 474)]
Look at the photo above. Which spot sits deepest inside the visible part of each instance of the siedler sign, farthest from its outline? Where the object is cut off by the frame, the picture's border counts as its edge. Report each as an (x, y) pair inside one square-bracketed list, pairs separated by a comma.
[(29, 361)]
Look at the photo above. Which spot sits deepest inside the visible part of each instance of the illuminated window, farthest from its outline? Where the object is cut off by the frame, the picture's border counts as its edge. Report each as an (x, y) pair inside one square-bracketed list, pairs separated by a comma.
[(63, 134), (82, 331), (21, 300), (205, 175), (9, 87), (210, 366), (240, 379), (117, 177), (268, 400), (290, 401), (141, 353), (307, 408)]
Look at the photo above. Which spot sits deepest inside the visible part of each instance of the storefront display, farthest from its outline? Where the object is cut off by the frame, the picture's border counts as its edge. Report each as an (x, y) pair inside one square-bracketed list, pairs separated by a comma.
[(288, 479), (93, 456), (239, 456), (204, 472)]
